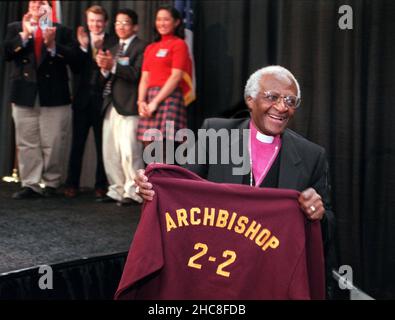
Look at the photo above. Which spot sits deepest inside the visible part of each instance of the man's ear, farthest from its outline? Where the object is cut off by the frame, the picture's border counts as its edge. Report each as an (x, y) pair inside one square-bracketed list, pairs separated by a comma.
[(250, 102)]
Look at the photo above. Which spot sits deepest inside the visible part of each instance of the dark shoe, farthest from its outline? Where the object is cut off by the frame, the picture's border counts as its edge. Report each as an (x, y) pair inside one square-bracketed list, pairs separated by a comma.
[(25, 193), (49, 192), (127, 202), (106, 199), (100, 193), (70, 192)]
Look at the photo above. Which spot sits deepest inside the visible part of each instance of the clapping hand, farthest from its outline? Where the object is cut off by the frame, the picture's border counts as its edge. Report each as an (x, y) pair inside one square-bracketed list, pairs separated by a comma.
[(27, 28), (82, 37), (105, 60), (49, 36)]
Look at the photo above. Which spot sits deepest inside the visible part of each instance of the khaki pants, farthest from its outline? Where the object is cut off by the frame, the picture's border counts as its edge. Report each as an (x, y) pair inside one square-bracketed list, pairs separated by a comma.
[(122, 154), (41, 134)]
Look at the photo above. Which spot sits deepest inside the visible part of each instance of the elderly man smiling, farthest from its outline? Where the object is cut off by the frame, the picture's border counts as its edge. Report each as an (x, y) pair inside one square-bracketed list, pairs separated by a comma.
[(278, 157)]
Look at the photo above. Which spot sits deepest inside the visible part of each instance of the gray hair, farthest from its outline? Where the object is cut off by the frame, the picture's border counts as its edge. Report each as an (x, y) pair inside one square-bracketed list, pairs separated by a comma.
[(252, 87)]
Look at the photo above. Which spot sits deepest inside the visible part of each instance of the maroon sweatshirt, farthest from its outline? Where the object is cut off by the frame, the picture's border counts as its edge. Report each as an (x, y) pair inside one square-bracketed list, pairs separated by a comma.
[(203, 240)]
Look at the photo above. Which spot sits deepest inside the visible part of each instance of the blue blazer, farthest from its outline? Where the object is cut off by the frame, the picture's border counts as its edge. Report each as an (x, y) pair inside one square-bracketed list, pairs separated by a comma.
[(47, 77)]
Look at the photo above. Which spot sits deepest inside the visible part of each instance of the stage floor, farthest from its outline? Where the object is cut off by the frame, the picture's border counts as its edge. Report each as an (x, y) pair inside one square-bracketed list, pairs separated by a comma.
[(55, 230)]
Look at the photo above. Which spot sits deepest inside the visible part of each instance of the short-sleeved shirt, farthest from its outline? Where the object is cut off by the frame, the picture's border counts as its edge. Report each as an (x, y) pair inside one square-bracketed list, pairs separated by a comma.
[(160, 57)]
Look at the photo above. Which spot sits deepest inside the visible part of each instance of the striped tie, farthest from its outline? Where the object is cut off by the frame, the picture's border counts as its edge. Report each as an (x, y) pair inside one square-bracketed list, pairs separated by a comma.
[(107, 88)]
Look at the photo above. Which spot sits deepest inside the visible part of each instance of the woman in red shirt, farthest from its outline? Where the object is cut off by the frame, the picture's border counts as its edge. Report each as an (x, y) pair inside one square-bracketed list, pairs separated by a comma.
[(162, 88)]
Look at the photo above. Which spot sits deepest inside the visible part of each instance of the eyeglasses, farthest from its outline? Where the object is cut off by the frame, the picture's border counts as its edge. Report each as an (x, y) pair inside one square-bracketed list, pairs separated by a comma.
[(272, 97), (122, 23)]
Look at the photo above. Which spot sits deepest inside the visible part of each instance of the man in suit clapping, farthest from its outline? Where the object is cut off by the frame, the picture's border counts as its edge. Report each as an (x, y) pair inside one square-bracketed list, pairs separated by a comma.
[(121, 71), (40, 98), (88, 100)]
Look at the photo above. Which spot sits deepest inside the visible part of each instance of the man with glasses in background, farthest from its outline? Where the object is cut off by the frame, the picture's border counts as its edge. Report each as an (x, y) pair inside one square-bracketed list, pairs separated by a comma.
[(278, 157), (121, 71)]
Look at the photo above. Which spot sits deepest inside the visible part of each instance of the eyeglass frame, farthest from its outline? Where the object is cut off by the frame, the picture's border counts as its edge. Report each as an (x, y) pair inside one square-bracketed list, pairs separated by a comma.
[(122, 23), (269, 92)]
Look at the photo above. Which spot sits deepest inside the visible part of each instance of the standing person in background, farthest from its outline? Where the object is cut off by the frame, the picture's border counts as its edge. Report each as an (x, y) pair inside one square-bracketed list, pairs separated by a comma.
[(121, 71), (162, 86), (40, 98), (88, 100)]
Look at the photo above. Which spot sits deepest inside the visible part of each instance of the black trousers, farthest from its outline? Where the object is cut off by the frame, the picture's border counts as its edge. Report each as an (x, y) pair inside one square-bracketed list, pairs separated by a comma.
[(83, 119)]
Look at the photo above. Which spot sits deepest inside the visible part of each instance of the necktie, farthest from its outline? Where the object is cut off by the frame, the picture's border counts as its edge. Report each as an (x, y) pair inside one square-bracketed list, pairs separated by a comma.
[(38, 41), (107, 88)]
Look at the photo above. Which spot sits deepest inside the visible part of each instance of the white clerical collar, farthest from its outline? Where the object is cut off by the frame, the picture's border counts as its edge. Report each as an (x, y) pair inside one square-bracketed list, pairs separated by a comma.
[(264, 138)]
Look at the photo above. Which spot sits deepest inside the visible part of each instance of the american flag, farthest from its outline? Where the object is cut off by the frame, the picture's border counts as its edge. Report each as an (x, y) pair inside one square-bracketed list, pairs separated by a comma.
[(185, 7), (56, 11)]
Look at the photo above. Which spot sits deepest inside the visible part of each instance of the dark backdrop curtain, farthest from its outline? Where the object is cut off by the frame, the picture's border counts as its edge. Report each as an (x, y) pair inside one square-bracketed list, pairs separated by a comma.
[(348, 98), (347, 91)]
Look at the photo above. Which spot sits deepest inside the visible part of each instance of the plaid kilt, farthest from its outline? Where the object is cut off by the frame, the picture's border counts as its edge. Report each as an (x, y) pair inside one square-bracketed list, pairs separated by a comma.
[(172, 110)]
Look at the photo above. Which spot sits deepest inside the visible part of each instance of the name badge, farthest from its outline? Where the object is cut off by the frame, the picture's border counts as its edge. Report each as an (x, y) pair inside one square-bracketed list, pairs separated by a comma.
[(123, 61), (162, 53)]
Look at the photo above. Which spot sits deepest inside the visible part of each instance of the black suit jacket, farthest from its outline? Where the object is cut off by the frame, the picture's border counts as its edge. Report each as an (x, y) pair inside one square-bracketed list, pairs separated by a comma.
[(87, 80), (302, 164), (48, 77), (125, 81)]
